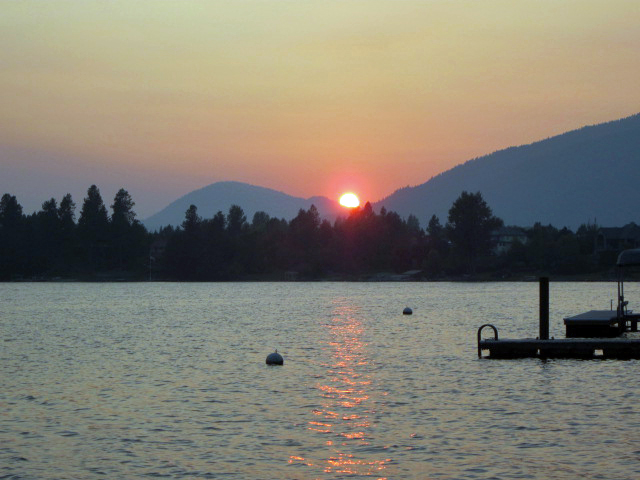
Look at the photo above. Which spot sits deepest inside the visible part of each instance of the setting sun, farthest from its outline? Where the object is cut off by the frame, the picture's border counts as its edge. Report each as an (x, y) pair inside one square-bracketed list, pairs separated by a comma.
[(349, 200)]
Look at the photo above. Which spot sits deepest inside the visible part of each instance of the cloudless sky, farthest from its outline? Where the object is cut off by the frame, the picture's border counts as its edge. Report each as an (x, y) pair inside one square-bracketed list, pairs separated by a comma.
[(306, 97)]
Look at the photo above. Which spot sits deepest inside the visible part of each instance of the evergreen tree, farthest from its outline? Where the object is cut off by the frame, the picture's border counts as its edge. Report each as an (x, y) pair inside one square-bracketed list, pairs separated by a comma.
[(93, 216), (192, 221), (185, 249), (10, 212), (260, 221), (413, 224), (123, 214), (436, 247), (67, 210), (236, 220), (434, 228), (48, 236), (50, 208), (219, 222), (93, 227), (128, 237), (13, 252), (304, 241), (67, 215), (469, 227), (239, 254), (216, 248)]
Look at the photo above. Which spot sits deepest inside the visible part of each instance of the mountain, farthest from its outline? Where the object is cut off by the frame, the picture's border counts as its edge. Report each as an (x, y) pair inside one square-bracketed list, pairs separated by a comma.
[(221, 195), (588, 174)]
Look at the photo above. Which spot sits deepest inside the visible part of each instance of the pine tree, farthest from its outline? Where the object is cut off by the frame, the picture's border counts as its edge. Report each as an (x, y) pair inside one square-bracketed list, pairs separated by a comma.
[(469, 228), (93, 226)]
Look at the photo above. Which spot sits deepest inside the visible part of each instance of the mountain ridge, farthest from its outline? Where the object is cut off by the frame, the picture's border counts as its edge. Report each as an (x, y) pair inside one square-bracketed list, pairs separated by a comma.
[(563, 180), (584, 175), (219, 196)]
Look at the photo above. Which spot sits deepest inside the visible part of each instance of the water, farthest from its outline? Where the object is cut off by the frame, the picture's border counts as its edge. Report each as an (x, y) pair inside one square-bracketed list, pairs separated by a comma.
[(169, 380)]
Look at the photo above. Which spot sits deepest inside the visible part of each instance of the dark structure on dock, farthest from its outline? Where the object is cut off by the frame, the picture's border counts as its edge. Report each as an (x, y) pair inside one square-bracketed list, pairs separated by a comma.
[(593, 334)]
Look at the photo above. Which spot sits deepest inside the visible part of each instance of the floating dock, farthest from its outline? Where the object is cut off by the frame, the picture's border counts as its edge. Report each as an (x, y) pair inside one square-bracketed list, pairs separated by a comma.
[(596, 327), (582, 348)]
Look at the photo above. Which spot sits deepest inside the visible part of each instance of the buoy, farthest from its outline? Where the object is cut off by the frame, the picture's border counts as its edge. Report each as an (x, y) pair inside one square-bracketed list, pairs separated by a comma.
[(407, 311), (275, 359)]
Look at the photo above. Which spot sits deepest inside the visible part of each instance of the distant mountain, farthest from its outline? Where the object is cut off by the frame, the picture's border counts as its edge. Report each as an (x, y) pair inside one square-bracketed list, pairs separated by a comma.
[(584, 175), (220, 196)]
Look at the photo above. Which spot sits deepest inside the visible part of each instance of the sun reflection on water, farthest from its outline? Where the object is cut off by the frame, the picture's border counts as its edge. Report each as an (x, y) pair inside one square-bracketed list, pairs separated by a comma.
[(347, 403)]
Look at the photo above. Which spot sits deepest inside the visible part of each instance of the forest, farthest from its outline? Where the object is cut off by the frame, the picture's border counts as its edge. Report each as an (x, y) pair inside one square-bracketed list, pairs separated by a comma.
[(102, 244)]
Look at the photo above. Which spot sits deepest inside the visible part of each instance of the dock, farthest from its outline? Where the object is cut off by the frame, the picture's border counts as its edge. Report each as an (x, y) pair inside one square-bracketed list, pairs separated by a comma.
[(596, 334), (581, 348)]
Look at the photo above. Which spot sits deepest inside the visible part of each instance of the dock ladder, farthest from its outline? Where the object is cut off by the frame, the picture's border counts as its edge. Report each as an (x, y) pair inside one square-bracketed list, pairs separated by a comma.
[(495, 336)]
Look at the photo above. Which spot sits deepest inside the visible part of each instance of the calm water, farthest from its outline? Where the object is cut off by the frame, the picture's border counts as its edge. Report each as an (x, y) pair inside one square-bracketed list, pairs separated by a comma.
[(169, 380)]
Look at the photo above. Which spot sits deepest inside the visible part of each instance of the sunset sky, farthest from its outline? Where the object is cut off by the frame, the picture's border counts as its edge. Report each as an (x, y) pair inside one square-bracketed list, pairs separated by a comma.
[(305, 97)]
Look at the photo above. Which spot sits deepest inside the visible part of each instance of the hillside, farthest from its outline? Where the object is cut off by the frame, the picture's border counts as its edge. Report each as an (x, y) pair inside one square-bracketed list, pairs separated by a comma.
[(221, 195), (584, 175)]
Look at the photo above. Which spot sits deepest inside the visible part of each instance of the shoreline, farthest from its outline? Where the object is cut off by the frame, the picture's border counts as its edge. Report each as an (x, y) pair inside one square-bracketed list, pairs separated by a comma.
[(370, 278)]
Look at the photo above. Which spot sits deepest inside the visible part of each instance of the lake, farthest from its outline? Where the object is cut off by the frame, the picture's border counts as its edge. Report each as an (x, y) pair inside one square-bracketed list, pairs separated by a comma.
[(168, 380)]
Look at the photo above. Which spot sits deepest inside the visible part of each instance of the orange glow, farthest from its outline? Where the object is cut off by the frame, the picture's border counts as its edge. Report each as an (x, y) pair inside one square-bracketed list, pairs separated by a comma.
[(349, 200), (348, 398), (397, 130)]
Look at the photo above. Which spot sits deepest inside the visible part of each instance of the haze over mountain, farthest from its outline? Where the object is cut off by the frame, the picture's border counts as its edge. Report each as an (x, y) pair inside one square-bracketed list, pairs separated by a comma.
[(220, 196), (586, 175)]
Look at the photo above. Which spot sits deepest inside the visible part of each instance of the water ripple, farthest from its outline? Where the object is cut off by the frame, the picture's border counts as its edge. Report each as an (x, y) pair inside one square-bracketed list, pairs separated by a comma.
[(169, 381)]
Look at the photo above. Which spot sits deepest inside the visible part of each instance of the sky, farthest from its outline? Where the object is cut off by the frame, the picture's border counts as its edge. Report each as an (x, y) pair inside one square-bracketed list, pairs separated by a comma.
[(305, 97)]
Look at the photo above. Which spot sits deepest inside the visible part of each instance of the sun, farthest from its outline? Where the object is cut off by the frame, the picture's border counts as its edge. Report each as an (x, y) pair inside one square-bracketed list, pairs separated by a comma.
[(349, 200)]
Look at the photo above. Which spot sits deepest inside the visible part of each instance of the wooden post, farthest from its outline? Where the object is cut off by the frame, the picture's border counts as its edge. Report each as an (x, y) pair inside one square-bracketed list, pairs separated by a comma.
[(544, 308)]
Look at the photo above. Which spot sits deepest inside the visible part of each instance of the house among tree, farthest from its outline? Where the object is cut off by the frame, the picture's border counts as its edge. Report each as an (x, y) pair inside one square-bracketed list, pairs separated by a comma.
[(156, 252), (504, 238), (615, 239), (291, 276)]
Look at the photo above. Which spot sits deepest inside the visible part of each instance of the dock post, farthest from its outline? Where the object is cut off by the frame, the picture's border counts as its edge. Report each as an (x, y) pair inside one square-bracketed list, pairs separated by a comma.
[(544, 308)]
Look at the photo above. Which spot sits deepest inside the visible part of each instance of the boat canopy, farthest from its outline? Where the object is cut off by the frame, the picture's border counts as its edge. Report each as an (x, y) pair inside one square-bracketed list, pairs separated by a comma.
[(629, 258)]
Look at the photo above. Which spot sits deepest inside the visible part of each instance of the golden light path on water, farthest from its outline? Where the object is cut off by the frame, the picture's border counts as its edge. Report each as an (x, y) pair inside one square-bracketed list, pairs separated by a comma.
[(345, 418)]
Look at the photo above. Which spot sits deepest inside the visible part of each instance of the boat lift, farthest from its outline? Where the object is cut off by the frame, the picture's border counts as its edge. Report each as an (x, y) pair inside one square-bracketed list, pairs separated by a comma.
[(608, 323)]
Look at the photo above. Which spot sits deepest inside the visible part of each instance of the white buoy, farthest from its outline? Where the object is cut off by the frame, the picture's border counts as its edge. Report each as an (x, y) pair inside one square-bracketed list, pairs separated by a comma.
[(275, 359), (407, 311)]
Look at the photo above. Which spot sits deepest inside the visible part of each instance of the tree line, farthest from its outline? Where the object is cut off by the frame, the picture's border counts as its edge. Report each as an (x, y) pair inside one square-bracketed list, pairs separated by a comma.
[(51, 243)]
